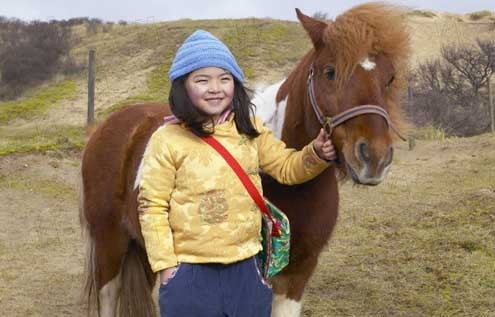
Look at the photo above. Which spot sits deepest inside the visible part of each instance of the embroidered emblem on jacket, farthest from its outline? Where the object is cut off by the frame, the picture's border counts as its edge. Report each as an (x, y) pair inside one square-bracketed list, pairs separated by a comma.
[(309, 160), (213, 207)]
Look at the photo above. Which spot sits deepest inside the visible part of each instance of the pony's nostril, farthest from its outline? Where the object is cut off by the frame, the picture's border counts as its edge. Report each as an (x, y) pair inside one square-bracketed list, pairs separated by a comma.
[(364, 152)]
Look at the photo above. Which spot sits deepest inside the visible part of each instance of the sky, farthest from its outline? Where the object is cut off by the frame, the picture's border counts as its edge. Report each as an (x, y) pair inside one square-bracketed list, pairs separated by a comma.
[(168, 10)]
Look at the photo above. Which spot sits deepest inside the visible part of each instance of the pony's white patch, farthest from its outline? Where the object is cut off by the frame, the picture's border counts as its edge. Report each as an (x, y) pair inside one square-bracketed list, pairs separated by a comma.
[(365, 179), (268, 110), (368, 64), (139, 172), (284, 307), (109, 297), (140, 168)]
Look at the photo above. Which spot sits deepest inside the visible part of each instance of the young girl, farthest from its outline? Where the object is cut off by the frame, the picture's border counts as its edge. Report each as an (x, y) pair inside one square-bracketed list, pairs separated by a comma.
[(201, 228)]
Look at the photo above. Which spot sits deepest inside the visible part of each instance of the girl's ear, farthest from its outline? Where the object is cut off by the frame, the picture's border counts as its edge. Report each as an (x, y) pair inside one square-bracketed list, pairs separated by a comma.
[(313, 27)]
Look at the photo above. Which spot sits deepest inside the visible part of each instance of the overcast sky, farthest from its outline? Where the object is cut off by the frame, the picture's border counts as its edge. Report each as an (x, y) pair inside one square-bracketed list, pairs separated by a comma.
[(166, 10)]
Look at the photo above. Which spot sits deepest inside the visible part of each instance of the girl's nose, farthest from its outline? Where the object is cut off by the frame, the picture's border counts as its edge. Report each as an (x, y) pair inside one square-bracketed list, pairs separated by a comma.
[(213, 86)]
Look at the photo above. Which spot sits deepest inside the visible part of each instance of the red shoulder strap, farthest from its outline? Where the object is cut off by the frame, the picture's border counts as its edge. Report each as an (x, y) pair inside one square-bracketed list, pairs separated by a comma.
[(244, 178)]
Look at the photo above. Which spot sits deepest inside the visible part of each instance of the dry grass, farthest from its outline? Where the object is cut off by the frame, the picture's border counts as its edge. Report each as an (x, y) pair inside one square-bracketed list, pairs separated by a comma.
[(420, 244)]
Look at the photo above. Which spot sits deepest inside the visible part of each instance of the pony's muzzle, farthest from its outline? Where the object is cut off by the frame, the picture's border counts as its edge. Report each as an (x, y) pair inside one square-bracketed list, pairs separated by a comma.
[(374, 161)]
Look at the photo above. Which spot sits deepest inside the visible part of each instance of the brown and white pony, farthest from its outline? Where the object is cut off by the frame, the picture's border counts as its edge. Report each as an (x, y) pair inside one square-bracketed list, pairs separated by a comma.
[(349, 82)]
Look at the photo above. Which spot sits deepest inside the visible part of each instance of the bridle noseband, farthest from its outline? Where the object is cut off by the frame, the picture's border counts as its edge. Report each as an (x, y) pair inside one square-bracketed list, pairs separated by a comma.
[(329, 123)]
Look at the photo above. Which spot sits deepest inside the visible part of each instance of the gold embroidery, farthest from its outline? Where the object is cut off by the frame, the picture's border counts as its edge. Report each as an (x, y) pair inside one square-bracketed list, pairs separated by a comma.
[(244, 140), (213, 207), (309, 160), (252, 171)]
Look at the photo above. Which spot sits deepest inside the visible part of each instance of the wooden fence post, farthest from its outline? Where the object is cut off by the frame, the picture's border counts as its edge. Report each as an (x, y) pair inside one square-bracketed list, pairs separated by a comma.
[(490, 105), (410, 100), (91, 87)]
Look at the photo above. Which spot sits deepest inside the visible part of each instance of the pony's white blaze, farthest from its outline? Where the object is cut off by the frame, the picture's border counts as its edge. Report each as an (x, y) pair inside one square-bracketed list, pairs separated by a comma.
[(368, 64), (109, 297), (268, 110), (284, 307)]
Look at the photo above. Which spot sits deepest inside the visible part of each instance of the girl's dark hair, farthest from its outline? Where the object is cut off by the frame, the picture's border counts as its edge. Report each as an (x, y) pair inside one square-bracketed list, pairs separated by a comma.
[(198, 121)]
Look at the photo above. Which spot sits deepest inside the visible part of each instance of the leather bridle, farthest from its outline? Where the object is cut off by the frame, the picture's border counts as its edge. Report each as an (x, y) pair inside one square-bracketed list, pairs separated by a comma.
[(329, 123)]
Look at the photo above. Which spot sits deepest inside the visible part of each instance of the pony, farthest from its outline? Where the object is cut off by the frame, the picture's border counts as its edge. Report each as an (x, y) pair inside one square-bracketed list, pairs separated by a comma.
[(350, 83)]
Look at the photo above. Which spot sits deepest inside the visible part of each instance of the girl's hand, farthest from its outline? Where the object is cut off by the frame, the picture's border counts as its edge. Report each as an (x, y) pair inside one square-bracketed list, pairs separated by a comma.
[(324, 147), (167, 274)]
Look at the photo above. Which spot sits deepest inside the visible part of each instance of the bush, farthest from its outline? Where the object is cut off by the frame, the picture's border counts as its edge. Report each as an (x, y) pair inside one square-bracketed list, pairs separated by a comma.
[(475, 16), (450, 94), (31, 53), (422, 13)]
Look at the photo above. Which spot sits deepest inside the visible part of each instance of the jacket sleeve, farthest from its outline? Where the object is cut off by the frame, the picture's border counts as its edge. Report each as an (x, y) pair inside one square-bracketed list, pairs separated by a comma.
[(155, 187), (287, 165)]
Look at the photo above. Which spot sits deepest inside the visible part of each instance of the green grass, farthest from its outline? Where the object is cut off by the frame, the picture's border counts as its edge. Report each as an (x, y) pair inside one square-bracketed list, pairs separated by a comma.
[(38, 103), (54, 138), (48, 188)]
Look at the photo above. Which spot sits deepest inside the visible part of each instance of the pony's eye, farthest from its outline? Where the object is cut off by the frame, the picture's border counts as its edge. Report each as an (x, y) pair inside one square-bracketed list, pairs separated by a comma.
[(391, 81), (330, 73)]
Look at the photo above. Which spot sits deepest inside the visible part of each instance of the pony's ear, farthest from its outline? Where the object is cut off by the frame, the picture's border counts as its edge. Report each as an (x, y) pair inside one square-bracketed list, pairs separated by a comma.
[(313, 27)]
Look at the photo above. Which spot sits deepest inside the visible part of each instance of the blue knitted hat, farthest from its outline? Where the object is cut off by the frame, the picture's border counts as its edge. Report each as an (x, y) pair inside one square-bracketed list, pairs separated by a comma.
[(202, 49)]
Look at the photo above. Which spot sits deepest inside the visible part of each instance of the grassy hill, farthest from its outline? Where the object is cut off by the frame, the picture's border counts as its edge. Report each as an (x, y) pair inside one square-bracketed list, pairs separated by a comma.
[(133, 60)]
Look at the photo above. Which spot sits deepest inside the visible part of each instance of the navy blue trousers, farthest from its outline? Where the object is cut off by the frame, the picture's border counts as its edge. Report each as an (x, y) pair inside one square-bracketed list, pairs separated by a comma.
[(216, 290)]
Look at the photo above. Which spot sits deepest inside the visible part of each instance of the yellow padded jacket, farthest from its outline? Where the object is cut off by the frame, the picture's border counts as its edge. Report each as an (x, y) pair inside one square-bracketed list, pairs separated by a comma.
[(192, 206)]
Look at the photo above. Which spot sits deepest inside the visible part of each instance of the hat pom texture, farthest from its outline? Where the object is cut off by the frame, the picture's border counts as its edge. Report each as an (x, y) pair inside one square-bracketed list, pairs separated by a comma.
[(203, 49)]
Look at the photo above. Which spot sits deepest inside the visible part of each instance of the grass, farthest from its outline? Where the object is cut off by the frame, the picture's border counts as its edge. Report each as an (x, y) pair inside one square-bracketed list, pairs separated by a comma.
[(429, 133), (48, 188), (421, 244), (422, 13), (38, 103), (53, 138), (279, 43), (475, 16)]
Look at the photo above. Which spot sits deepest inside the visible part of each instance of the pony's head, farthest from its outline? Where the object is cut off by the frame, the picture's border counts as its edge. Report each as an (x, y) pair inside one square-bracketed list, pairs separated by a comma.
[(356, 68)]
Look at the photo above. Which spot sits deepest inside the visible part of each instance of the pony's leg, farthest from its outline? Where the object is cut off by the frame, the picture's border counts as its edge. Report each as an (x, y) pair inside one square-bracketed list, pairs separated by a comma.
[(110, 249), (109, 295), (289, 288)]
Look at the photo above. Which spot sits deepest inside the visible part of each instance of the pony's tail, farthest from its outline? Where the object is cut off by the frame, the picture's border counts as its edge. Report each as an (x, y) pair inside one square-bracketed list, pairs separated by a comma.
[(90, 294), (137, 281), (136, 284)]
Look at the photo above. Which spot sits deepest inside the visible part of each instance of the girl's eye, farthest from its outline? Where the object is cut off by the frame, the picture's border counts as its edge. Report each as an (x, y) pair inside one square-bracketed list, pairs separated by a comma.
[(330, 72), (226, 79), (201, 81)]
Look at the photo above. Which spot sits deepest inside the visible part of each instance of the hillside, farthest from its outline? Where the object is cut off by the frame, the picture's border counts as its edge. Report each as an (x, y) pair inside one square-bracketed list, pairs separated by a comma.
[(133, 59)]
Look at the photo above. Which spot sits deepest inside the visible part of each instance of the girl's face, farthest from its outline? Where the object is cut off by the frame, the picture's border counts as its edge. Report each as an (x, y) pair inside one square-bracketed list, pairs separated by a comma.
[(211, 89)]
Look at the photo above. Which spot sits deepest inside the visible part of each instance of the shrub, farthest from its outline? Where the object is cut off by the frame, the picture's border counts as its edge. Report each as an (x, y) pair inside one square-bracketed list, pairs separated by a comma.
[(31, 53), (475, 16)]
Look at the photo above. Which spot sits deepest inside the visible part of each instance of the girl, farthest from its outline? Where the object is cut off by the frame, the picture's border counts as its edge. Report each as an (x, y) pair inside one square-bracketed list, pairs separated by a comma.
[(201, 228)]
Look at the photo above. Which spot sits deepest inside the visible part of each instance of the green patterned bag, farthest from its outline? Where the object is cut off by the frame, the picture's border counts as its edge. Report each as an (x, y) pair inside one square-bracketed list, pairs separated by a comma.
[(275, 254)]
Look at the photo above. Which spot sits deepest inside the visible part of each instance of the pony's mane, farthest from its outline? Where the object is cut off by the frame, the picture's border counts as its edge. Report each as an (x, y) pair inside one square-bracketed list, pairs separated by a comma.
[(364, 30)]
